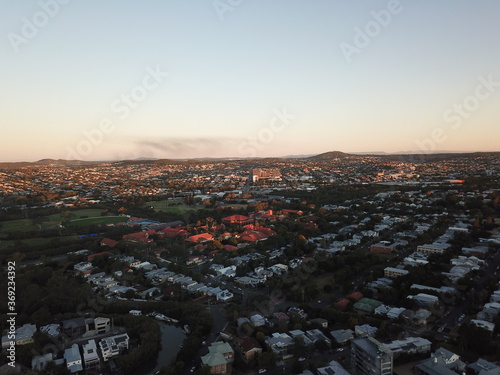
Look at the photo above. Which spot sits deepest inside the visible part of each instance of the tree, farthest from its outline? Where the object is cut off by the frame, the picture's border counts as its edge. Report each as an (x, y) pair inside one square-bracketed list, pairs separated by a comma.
[(266, 359), (260, 337), (203, 370), (129, 294)]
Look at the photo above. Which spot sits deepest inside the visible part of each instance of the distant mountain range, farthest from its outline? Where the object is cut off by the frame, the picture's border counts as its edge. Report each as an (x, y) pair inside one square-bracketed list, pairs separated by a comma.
[(331, 155)]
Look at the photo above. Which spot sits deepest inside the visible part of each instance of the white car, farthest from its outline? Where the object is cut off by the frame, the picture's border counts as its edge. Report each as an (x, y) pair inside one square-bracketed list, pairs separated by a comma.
[(262, 370)]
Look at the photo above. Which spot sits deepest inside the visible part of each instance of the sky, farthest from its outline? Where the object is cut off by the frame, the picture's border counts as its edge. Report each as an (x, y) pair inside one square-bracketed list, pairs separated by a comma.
[(94, 80)]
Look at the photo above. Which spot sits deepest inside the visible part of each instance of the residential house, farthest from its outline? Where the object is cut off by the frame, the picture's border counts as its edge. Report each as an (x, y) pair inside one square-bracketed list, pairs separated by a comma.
[(73, 359), (382, 248), (97, 326), (483, 367), (219, 358), (342, 336), (333, 368), (367, 305), (90, 355), (24, 336), (51, 329), (225, 296), (425, 300), (411, 345), (112, 346), (258, 320), (316, 335), (365, 330), (442, 362), (74, 327), (280, 344), (248, 347), (392, 272)]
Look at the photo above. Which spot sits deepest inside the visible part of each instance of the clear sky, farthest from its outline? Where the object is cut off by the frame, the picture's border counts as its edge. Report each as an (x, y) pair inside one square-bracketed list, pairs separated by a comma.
[(99, 80)]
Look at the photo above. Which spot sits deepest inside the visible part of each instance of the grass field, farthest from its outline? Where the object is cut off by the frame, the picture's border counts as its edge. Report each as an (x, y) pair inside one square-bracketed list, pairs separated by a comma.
[(18, 225), (82, 217), (98, 220), (176, 206), (86, 212)]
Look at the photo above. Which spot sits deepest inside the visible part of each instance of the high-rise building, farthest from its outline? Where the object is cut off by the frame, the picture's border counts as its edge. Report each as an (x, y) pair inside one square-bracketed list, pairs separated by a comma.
[(370, 357)]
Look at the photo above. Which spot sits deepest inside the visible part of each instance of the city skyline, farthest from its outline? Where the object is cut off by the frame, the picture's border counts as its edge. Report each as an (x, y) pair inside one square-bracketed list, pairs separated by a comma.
[(241, 79)]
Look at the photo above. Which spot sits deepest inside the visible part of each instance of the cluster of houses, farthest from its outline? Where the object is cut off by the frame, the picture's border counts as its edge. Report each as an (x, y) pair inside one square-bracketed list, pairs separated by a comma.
[(445, 362), (101, 344), (86, 356), (209, 232), (489, 312)]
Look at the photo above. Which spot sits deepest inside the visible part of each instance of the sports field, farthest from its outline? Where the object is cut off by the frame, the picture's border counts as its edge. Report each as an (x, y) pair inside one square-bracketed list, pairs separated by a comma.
[(176, 206), (88, 216)]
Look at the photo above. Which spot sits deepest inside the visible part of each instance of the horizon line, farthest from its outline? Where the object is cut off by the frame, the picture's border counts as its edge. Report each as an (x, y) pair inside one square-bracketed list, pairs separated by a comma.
[(294, 156)]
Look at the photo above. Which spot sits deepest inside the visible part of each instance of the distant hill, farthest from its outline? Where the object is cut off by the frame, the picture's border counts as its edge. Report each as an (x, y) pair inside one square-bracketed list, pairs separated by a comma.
[(58, 162), (329, 156), (434, 157), (404, 157), (412, 157)]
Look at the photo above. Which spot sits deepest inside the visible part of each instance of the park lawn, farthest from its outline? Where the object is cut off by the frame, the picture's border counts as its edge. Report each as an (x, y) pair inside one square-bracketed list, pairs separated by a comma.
[(88, 216), (17, 225), (98, 220), (25, 225), (78, 214), (172, 206)]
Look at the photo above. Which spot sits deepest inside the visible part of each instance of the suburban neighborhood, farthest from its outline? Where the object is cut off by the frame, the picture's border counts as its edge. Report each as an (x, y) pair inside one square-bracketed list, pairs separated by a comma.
[(333, 264)]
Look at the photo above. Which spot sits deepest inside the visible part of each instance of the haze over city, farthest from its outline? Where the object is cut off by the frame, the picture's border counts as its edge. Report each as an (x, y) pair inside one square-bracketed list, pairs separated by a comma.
[(94, 81)]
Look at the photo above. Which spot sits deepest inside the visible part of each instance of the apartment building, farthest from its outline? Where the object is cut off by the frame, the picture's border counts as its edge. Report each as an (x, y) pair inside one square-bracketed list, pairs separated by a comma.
[(370, 357)]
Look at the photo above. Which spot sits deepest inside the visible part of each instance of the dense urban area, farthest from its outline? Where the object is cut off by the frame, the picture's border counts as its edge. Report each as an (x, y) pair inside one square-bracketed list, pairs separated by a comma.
[(333, 264)]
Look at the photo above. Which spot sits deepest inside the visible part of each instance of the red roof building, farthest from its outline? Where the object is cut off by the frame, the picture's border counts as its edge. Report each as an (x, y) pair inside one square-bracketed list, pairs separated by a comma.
[(230, 248), (237, 220), (356, 296), (252, 236), (248, 346), (142, 237), (203, 237), (108, 242), (342, 304), (382, 248), (173, 233)]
